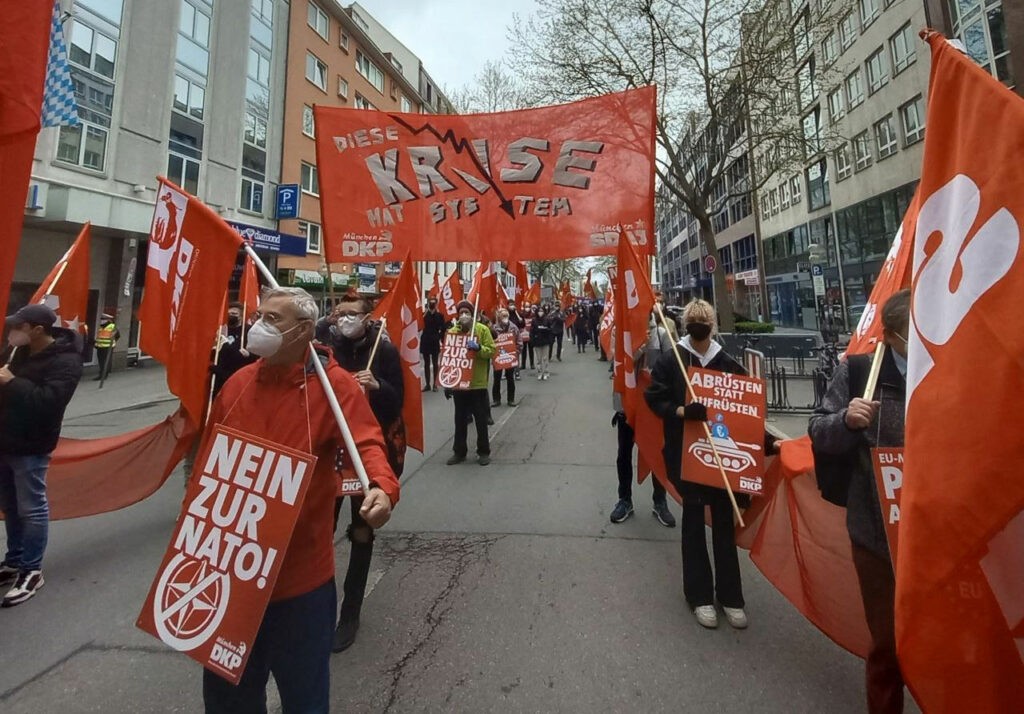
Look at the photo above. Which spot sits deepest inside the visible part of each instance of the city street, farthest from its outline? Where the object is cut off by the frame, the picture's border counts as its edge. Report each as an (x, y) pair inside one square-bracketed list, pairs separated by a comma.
[(499, 588)]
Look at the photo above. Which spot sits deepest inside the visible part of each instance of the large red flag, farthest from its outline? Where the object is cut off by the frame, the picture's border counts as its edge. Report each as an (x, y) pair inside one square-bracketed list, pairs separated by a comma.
[(532, 294), (893, 277), (588, 287), (24, 45), (634, 300), (485, 286), (192, 252), (960, 562), (66, 288), (249, 290), (604, 333), (401, 306), (518, 270), (451, 295), (545, 183)]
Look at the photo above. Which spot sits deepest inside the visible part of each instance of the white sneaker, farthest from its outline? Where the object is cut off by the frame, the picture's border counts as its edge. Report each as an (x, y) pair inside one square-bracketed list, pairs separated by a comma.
[(736, 617), (706, 616), (540, 377)]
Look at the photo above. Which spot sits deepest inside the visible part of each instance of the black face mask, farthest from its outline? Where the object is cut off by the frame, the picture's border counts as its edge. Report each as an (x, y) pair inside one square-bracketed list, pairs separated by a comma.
[(698, 331), (233, 321)]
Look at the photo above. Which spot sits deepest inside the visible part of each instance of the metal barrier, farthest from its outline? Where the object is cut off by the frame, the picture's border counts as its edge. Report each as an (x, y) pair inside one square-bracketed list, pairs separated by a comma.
[(753, 362)]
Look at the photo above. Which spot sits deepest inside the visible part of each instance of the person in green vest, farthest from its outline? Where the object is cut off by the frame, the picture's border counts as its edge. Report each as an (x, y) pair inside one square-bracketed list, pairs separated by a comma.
[(106, 337), (472, 401)]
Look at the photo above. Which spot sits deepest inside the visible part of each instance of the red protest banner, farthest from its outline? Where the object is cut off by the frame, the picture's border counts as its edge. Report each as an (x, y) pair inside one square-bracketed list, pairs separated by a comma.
[(888, 465), (736, 407), (536, 184), (455, 368), (213, 585), (506, 353)]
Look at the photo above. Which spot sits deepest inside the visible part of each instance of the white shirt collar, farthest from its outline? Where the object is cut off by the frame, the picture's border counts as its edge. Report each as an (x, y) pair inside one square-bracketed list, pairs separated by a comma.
[(713, 350)]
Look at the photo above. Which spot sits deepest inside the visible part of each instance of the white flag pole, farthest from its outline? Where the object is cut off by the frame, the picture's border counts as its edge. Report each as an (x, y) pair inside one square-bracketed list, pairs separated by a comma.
[(332, 399)]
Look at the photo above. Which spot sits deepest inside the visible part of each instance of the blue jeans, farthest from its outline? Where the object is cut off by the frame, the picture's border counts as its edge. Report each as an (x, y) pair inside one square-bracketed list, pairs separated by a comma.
[(26, 510), (294, 643)]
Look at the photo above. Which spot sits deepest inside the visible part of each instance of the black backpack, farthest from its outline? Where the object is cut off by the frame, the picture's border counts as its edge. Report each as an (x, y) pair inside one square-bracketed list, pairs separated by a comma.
[(835, 471)]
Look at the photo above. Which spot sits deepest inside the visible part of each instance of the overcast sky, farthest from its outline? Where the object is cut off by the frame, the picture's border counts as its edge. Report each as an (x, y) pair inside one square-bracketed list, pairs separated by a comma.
[(453, 38)]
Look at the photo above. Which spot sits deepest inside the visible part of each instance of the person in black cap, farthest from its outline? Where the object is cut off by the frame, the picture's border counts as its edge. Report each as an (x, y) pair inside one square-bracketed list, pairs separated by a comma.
[(37, 381)]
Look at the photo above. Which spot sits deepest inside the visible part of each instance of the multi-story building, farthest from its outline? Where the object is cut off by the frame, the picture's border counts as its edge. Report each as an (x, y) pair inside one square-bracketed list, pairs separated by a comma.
[(153, 102), (992, 32)]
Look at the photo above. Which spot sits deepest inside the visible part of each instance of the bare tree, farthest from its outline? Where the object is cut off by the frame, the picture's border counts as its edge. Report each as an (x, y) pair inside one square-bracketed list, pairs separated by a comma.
[(493, 89), (728, 86), (555, 272)]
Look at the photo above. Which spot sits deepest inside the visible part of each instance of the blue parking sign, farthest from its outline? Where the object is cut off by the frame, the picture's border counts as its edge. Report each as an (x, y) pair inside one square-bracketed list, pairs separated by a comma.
[(288, 201)]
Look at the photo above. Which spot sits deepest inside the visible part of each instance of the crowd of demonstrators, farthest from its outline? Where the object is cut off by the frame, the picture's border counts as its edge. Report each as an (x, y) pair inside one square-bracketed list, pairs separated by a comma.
[(503, 325), (430, 343), (667, 397), (41, 371), (659, 343), (847, 426), (279, 398), (472, 402), (354, 339)]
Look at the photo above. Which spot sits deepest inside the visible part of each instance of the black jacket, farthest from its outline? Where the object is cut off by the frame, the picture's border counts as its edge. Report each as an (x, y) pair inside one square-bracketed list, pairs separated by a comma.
[(541, 334), (433, 332), (32, 404), (230, 359), (830, 435), (353, 355), (667, 393)]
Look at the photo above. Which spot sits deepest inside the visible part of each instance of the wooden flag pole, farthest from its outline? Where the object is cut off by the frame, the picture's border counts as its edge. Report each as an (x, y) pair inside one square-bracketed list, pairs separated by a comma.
[(376, 342), (876, 366), (707, 431), (49, 290), (325, 383)]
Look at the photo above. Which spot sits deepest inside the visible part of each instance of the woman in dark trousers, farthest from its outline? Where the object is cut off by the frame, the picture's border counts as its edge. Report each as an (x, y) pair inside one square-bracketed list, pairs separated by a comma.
[(582, 330), (667, 396), (504, 326)]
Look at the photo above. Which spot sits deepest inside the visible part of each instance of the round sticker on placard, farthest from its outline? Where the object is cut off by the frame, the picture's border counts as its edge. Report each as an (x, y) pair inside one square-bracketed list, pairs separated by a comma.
[(190, 601), (448, 377)]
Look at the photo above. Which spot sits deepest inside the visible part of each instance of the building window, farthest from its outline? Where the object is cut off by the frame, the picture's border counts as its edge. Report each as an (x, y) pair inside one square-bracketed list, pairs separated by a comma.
[(184, 172), (784, 194), (830, 48), (312, 233), (818, 195), (836, 108), (252, 196), (92, 50), (308, 123), (862, 154), (261, 28), (869, 12), (794, 189), (901, 45), (773, 201), (854, 89), (406, 105), (878, 73), (368, 69), (807, 85), (362, 103), (189, 97), (812, 132), (847, 31), (802, 33), (255, 129), (309, 180), (343, 40), (885, 137), (317, 19), (194, 38), (316, 71), (843, 166), (912, 118), (342, 87), (90, 152), (985, 37)]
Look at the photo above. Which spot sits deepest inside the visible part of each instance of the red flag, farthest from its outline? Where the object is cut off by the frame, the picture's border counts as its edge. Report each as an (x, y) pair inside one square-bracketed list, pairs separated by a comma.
[(66, 288), (893, 277), (192, 252), (537, 184), (588, 287), (604, 334), (451, 295), (960, 563), (485, 286), (532, 295), (565, 295), (518, 270), (436, 290), (401, 306), (249, 290), (24, 44), (633, 304)]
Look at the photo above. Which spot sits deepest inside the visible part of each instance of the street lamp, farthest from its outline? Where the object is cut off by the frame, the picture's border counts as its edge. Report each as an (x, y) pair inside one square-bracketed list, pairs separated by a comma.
[(325, 273)]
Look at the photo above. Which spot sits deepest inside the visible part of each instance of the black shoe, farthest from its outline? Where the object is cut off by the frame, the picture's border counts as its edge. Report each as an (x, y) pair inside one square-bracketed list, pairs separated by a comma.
[(433, 388), (27, 585), (484, 459), (513, 403), (496, 403), (345, 635), (664, 515), (623, 510), (428, 388), (490, 421), (455, 459)]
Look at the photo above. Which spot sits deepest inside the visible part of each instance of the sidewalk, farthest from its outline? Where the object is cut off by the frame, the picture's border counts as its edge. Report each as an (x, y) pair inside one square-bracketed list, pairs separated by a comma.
[(123, 389)]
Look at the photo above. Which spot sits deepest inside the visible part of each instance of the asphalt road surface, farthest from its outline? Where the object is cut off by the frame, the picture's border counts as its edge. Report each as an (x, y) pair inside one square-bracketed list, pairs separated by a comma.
[(494, 589)]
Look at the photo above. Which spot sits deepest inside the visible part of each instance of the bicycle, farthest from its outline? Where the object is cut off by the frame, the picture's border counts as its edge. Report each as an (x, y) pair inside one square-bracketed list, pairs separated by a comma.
[(828, 361)]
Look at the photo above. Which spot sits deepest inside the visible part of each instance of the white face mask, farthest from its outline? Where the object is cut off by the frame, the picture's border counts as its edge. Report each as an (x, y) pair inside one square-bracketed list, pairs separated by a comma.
[(465, 321), (265, 340), (18, 338), (352, 327)]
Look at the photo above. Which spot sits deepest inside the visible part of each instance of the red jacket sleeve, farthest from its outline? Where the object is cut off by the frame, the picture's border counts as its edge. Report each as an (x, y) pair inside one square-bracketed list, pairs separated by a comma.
[(365, 432)]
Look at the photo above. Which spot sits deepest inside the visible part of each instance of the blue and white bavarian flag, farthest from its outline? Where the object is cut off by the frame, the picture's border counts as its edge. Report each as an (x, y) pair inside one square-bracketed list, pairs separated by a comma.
[(59, 106)]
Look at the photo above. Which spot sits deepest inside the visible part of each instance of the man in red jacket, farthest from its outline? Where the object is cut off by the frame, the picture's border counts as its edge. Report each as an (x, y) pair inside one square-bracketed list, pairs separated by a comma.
[(281, 399)]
